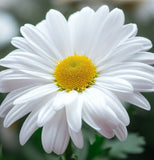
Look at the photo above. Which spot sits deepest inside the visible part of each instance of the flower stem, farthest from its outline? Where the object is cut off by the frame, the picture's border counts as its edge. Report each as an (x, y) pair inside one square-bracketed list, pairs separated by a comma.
[(69, 153)]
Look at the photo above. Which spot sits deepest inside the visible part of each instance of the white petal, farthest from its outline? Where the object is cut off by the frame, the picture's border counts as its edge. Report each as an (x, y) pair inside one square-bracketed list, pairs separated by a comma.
[(37, 39), (74, 114), (59, 31), (79, 24), (64, 98), (89, 117), (115, 84), (22, 44), (48, 63), (30, 124), (141, 79), (131, 65), (146, 43), (29, 127), (92, 112), (21, 110), (139, 83), (26, 78), (100, 112), (5, 72), (9, 84), (43, 28), (136, 99), (25, 61), (116, 18), (36, 93), (7, 104), (46, 113), (16, 79), (77, 138), (55, 135), (113, 102), (144, 57), (16, 113), (105, 29), (112, 41), (98, 122), (95, 29), (121, 132), (122, 53), (130, 72), (106, 132)]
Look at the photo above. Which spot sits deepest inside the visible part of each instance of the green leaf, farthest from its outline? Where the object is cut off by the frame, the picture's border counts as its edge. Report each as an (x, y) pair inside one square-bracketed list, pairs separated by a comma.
[(132, 145), (95, 150), (82, 153)]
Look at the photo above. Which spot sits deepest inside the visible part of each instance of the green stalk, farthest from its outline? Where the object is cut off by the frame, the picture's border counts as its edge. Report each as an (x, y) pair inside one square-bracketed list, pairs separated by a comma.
[(69, 153)]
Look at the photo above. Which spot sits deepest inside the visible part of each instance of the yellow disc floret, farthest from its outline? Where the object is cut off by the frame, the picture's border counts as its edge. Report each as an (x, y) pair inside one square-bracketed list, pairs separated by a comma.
[(75, 73)]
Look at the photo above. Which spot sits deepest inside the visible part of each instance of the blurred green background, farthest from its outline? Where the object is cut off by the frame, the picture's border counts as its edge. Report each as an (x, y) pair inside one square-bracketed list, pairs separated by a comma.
[(140, 143)]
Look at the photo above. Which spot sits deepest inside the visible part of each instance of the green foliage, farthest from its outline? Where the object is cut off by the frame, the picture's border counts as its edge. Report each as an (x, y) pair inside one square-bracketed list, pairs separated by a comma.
[(93, 143), (90, 136), (82, 153), (96, 149), (1, 153), (89, 139), (132, 145)]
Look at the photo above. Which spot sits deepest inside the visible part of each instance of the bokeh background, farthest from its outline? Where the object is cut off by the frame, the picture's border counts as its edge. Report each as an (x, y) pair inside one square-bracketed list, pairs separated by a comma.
[(140, 143)]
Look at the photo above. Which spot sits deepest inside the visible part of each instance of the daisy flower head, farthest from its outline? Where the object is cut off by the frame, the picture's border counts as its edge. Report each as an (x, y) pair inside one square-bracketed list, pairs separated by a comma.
[(65, 71)]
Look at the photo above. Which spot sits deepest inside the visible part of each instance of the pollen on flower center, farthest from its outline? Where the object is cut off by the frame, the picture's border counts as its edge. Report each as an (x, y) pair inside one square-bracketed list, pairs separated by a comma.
[(75, 73)]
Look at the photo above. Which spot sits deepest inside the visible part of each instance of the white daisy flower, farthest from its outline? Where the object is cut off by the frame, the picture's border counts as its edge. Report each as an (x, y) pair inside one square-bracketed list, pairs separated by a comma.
[(64, 72)]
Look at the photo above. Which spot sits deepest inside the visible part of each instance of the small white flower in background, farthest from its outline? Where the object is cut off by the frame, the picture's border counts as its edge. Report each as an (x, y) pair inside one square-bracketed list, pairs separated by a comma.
[(64, 72), (5, 4), (8, 28), (143, 9)]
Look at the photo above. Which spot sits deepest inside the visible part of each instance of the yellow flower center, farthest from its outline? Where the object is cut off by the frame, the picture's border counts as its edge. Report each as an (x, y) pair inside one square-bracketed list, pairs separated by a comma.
[(75, 73)]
